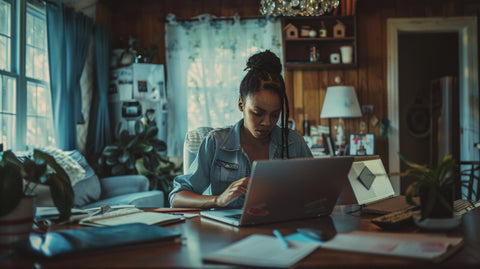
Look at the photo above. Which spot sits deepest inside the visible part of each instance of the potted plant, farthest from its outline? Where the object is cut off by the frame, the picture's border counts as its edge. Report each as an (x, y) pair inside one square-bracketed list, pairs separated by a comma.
[(18, 179), (435, 186), (137, 153)]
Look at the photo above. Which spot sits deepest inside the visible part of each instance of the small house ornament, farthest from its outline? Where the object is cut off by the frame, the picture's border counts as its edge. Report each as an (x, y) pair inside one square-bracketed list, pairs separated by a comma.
[(339, 29), (291, 32)]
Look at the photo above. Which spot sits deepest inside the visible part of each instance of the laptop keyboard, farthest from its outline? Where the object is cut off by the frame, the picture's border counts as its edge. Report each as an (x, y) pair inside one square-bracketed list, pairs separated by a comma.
[(461, 207), (234, 216)]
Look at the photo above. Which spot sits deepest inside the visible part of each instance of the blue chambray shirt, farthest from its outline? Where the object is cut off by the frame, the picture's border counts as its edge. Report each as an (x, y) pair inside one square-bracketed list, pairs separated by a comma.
[(221, 161)]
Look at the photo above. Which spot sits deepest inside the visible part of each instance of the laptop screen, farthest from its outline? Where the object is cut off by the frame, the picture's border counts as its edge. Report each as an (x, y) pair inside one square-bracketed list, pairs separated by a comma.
[(369, 181)]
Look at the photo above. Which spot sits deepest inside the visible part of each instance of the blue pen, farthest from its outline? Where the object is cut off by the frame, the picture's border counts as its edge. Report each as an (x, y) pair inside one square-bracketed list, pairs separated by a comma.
[(281, 238)]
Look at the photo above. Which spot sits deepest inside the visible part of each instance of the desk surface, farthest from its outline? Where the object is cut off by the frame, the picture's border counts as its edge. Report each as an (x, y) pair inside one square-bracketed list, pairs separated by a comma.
[(201, 236)]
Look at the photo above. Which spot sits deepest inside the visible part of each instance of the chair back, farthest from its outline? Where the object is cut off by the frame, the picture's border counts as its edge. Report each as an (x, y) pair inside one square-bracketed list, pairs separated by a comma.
[(470, 172), (191, 144)]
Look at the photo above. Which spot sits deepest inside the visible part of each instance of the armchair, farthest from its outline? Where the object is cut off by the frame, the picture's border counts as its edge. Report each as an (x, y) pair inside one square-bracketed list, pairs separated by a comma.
[(191, 144), (91, 191)]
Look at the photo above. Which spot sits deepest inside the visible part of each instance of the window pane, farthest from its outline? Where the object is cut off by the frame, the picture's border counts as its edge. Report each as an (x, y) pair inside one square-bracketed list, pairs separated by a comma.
[(39, 116), (7, 131), (36, 58), (8, 95), (5, 35)]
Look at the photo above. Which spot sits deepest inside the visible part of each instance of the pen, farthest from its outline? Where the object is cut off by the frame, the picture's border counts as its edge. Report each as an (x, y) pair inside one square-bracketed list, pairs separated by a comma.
[(281, 238)]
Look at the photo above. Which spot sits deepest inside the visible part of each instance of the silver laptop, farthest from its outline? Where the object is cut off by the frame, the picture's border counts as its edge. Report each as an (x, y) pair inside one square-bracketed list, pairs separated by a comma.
[(281, 190)]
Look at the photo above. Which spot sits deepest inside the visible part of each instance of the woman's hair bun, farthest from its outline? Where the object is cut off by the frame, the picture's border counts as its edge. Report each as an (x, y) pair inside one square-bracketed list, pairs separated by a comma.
[(265, 61)]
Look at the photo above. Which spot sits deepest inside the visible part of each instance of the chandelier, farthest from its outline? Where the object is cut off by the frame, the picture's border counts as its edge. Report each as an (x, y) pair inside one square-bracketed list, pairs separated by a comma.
[(297, 7)]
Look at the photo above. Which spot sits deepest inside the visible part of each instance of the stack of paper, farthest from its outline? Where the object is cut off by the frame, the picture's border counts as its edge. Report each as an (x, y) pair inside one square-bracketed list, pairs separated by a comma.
[(421, 246), (264, 251)]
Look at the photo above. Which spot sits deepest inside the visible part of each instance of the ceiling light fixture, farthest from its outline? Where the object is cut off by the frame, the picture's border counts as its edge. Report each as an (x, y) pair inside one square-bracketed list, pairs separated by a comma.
[(297, 7)]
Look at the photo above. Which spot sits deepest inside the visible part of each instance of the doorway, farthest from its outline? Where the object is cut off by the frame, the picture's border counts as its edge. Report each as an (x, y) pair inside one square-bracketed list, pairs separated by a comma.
[(424, 59), (465, 28)]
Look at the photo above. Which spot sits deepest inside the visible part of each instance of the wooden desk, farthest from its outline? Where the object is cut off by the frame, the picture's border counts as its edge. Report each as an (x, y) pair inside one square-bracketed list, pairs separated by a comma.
[(201, 236)]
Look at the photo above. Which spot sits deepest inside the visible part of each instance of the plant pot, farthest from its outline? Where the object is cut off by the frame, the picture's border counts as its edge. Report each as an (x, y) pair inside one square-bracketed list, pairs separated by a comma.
[(439, 210), (15, 227)]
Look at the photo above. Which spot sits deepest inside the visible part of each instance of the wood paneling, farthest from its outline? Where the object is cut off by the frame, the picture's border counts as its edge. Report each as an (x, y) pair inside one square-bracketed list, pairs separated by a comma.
[(306, 89)]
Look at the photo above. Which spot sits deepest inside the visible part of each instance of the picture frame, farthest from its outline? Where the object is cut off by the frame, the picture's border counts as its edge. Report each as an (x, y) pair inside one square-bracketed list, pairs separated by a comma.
[(329, 144), (362, 144)]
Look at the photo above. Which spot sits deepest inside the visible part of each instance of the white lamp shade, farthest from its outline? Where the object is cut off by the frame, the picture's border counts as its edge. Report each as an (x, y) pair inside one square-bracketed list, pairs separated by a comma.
[(341, 102)]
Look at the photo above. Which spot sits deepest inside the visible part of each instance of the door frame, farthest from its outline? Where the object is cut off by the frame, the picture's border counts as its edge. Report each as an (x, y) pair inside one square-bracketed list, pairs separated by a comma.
[(466, 27)]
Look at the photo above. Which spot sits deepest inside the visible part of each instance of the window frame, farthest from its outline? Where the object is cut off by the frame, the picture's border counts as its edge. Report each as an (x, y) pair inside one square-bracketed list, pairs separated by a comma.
[(18, 70)]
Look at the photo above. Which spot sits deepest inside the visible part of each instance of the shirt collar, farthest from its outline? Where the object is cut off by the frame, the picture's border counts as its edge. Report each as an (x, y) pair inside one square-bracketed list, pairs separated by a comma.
[(232, 141)]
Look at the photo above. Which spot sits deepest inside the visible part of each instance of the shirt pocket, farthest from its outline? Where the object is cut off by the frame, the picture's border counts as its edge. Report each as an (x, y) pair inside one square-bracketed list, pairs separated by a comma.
[(226, 172)]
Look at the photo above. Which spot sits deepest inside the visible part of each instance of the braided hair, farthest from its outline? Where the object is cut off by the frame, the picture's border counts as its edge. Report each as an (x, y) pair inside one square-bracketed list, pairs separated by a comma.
[(264, 73)]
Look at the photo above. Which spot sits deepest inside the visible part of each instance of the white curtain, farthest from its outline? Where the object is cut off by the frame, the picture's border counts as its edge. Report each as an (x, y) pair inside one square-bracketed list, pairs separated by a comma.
[(205, 62)]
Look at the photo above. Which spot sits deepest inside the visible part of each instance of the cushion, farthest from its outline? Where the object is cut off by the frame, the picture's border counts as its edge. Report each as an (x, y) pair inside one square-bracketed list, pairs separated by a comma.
[(87, 190), (71, 167)]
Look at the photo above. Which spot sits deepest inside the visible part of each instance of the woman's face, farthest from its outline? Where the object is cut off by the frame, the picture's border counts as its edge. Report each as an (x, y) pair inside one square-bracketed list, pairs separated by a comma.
[(260, 112)]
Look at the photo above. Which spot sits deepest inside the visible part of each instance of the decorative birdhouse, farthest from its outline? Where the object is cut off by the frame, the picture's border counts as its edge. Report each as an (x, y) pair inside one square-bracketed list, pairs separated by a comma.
[(291, 32), (339, 29)]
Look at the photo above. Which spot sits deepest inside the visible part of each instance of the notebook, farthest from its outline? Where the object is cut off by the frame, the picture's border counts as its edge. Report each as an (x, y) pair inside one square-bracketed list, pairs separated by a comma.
[(281, 190), (372, 188)]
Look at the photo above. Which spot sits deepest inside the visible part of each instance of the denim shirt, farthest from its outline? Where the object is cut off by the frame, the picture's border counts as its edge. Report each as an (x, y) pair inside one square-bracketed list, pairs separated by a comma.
[(221, 161)]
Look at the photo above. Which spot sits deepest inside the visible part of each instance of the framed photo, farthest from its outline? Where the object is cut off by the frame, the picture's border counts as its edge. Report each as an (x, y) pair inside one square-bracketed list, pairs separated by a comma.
[(362, 144), (329, 144)]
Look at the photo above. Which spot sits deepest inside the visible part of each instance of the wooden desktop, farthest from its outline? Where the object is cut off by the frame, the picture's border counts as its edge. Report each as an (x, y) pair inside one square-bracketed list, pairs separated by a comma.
[(201, 236)]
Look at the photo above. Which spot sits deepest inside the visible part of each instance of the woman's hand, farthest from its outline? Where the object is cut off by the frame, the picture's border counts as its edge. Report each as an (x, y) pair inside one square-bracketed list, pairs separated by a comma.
[(236, 189)]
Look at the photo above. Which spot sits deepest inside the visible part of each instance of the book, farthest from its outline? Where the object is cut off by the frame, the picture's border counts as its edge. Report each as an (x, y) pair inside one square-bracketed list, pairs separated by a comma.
[(130, 215), (262, 251), (420, 246), (60, 242)]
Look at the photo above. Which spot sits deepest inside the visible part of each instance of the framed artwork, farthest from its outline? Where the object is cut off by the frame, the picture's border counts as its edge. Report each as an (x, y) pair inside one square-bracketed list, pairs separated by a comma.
[(362, 144)]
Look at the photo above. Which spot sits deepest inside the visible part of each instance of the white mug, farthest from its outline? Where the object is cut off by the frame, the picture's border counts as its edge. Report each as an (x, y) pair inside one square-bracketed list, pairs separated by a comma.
[(346, 54)]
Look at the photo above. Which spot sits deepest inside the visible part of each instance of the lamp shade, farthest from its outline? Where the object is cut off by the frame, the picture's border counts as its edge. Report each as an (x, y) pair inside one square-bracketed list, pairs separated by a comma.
[(341, 102)]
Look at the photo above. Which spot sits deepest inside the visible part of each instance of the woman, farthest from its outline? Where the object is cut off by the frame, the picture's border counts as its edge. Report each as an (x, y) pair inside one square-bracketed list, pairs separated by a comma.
[(225, 156)]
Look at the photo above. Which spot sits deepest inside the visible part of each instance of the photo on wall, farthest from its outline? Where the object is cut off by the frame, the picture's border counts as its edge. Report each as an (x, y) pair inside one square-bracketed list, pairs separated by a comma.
[(362, 144)]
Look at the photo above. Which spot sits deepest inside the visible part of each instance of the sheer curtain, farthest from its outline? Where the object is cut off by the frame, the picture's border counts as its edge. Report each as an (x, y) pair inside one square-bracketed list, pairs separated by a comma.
[(205, 62)]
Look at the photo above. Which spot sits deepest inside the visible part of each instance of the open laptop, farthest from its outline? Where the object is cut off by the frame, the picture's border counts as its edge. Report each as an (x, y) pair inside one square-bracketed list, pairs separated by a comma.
[(281, 190), (373, 189)]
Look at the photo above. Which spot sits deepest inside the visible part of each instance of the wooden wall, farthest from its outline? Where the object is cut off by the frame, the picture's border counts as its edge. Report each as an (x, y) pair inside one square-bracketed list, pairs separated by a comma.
[(145, 20)]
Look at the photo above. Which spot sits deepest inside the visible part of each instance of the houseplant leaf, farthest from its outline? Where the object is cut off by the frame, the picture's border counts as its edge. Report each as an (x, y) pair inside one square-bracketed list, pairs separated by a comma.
[(10, 187)]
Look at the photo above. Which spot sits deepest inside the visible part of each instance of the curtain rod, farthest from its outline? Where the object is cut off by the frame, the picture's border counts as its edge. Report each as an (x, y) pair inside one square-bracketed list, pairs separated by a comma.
[(218, 19)]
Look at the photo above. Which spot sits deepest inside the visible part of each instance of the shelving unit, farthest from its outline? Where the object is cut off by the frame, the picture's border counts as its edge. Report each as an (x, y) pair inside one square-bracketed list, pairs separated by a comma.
[(297, 51)]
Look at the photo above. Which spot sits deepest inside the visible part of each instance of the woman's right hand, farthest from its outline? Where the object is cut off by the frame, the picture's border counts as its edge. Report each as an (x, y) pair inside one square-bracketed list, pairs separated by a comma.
[(235, 190)]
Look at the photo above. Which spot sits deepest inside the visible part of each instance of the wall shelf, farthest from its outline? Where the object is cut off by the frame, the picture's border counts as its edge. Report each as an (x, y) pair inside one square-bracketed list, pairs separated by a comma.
[(297, 50)]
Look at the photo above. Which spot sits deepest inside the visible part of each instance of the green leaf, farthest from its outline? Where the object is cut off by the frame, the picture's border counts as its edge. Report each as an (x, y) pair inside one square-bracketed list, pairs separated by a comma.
[(144, 148), (62, 195), (151, 132), (139, 127), (49, 160), (123, 158), (428, 207), (411, 191), (10, 187), (111, 151), (413, 165)]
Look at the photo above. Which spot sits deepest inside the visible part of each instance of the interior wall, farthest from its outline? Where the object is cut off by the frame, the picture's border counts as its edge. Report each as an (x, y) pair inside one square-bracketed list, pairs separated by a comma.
[(306, 88)]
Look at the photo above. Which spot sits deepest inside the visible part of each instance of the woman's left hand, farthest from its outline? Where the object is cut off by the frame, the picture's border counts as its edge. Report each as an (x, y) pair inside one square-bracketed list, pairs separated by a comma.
[(235, 190)]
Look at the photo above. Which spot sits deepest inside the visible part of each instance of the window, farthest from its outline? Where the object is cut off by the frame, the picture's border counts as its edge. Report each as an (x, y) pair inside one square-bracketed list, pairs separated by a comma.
[(25, 103)]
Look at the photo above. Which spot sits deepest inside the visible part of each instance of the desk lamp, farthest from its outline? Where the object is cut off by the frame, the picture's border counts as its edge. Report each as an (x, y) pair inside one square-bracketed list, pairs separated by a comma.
[(340, 102)]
